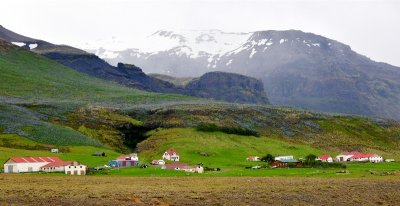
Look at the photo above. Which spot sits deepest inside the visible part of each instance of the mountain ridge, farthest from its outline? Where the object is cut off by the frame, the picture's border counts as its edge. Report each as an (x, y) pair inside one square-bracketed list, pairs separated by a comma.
[(298, 69)]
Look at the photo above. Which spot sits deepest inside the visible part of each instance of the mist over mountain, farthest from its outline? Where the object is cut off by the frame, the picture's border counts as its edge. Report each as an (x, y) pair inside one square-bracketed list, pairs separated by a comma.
[(298, 69)]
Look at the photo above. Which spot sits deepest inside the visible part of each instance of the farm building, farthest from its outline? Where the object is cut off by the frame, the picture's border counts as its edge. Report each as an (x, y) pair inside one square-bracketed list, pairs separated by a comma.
[(58, 166), (132, 156), (171, 155), (184, 167), (281, 158), (130, 160), (27, 164), (345, 156), (158, 162), (355, 156), (366, 158), (54, 150), (253, 158), (286, 163), (75, 168), (103, 154), (325, 158)]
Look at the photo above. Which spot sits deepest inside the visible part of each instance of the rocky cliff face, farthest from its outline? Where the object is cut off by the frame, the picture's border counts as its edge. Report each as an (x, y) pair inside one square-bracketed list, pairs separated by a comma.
[(228, 87), (298, 69)]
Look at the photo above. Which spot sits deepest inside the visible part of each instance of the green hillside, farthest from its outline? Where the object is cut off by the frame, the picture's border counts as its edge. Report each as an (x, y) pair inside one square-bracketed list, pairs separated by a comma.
[(44, 105), (36, 92)]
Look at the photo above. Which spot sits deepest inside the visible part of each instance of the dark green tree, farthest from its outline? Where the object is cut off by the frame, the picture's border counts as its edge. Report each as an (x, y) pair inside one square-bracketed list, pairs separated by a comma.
[(268, 158)]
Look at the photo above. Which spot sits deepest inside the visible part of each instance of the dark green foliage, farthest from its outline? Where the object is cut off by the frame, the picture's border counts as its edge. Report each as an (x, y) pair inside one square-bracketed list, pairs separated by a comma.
[(268, 158), (228, 130)]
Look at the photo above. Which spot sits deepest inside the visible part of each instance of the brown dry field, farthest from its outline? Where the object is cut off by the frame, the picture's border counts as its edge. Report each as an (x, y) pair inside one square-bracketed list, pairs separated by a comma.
[(113, 190)]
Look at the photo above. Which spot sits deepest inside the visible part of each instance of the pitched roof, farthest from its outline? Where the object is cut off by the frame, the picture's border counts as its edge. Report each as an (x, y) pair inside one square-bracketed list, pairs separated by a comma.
[(34, 159), (359, 156), (324, 157), (58, 164), (171, 152)]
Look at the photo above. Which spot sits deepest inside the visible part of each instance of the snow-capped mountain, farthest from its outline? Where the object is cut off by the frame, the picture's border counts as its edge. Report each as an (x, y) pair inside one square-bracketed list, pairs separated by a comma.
[(198, 49)]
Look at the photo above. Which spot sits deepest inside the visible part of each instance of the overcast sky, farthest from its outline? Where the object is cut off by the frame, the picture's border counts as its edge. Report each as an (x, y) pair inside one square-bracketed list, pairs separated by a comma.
[(370, 27)]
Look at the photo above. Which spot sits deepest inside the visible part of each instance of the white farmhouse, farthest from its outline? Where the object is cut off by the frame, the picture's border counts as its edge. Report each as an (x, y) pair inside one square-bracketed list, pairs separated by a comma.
[(75, 168), (281, 158), (58, 166), (28, 164), (171, 155), (325, 158), (345, 156)]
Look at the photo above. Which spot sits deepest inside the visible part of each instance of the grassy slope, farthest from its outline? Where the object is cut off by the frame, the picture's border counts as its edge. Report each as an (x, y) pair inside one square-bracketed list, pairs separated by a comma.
[(33, 78), (34, 90)]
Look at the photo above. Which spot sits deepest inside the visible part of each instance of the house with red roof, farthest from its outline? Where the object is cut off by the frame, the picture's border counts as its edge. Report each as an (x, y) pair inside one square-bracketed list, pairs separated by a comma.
[(345, 156), (28, 164), (325, 158), (172, 155), (355, 156), (367, 158)]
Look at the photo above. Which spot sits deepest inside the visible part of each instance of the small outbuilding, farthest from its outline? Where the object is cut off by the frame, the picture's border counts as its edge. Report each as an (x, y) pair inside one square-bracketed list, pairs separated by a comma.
[(54, 150), (101, 154), (286, 163), (253, 158)]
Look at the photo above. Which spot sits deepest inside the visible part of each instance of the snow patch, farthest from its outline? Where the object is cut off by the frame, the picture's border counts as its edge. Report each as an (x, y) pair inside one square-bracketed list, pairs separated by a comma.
[(32, 46), (253, 51), (282, 41), (229, 62), (19, 43), (316, 44)]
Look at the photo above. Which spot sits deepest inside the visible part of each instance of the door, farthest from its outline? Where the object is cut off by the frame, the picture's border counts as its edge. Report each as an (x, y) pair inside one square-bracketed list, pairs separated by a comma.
[(76, 172), (124, 164), (30, 169), (10, 169)]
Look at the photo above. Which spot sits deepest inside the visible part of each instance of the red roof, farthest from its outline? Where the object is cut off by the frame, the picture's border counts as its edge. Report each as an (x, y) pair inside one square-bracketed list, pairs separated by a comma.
[(324, 157), (359, 156), (58, 164), (34, 159), (171, 152)]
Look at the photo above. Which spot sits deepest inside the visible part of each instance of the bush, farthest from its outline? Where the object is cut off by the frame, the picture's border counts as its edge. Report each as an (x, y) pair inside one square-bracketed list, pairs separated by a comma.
[(228, 130), (268, 158)]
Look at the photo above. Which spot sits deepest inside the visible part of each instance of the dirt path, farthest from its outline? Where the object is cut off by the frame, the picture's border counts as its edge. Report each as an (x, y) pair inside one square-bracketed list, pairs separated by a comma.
[(112, 190)]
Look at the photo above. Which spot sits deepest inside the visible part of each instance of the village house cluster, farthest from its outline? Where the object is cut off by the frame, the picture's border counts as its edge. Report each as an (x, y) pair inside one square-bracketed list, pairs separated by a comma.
[(353, 156)]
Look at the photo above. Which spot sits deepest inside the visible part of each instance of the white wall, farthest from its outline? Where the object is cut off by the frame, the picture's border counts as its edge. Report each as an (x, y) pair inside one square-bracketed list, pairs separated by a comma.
[(24, 167), (80, 169)]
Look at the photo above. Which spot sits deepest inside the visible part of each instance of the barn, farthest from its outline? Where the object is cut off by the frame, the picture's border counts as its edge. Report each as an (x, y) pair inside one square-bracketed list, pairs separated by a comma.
[(28, 164), (58, 166)]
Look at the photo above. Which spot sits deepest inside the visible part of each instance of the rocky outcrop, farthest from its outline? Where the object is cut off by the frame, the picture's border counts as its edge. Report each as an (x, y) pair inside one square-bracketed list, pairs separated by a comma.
[(228, 87)]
